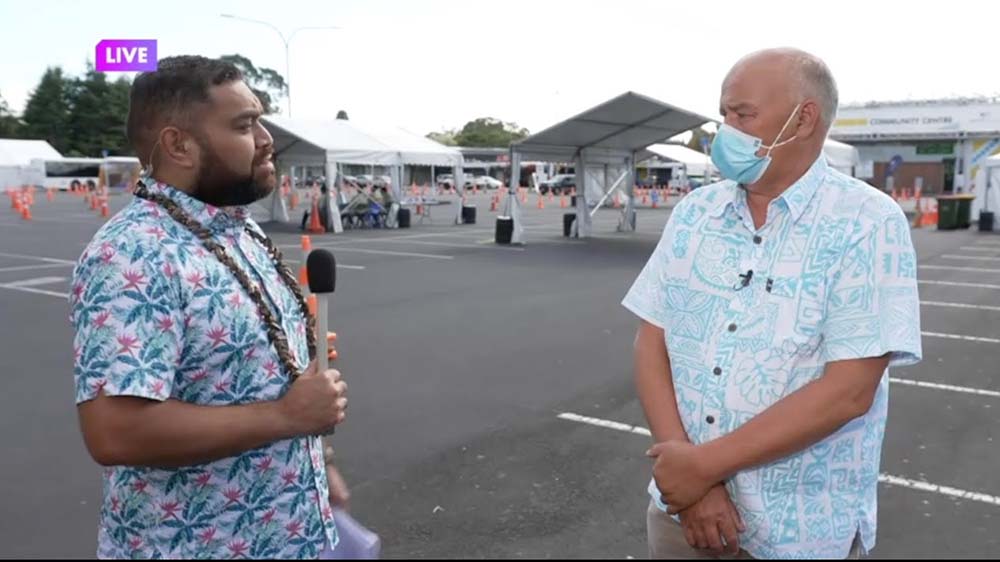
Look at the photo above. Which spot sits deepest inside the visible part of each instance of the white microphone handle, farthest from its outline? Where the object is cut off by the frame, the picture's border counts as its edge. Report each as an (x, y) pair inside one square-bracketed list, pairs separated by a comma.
[(322, 327)]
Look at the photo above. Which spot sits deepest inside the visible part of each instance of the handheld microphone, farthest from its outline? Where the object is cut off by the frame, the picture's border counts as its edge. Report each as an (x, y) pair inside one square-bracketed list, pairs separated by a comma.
[(745, 279), (322, 269)]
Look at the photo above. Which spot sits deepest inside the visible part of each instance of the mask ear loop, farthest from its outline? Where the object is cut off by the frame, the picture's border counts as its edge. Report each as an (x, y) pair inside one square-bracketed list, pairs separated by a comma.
[(787, 123)]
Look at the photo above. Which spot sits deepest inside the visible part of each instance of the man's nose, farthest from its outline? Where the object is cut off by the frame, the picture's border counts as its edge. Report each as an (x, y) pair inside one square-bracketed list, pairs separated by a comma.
[(263, 137)]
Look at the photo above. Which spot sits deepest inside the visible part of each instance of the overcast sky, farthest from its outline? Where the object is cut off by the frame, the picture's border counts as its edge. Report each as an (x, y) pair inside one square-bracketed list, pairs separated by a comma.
[(429, 65)]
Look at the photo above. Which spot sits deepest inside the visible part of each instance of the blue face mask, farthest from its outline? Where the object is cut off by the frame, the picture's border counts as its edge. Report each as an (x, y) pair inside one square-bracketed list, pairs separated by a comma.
[(734, 153)]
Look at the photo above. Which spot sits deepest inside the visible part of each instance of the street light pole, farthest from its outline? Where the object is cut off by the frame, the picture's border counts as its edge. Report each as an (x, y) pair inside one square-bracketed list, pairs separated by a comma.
[(286, 42)]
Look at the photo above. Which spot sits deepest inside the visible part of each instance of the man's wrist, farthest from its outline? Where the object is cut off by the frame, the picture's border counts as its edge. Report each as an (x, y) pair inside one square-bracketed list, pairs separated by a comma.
[(282, 421), (713, 462)]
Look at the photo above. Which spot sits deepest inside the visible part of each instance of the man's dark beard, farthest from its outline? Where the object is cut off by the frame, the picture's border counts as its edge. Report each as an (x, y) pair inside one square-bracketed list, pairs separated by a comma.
[(219, 186)]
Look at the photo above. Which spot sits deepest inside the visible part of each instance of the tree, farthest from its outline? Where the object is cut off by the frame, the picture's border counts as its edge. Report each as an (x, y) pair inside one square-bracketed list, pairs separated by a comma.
[(46, 115), (696, 136), (490, 132), (98, 110), (266, 83), (342, 115), (446, 138), (10, 125)]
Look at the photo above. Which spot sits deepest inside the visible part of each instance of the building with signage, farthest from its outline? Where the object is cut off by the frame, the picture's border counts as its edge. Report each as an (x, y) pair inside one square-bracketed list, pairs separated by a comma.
[(939, 144)]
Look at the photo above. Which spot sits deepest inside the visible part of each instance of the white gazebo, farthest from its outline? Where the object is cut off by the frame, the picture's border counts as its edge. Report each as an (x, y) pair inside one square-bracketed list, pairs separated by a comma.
[(695, 163), (604, 143), (334, 143), (986, 188), (16, 156)]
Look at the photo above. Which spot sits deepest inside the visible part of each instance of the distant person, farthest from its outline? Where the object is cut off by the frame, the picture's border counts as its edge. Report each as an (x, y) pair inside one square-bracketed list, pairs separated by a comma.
[(323, 204), (769, 313), (195, 380)]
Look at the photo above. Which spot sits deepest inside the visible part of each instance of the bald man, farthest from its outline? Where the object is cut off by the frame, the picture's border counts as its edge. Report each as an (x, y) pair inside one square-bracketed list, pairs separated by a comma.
[(769, 314)]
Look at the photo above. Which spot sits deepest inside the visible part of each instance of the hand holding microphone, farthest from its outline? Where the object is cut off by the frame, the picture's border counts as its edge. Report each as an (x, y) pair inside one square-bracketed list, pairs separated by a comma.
[(317, 400)]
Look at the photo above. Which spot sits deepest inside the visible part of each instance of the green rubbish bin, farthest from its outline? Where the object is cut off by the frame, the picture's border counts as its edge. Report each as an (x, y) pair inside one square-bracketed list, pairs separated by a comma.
[(947, 212), (965, 210)]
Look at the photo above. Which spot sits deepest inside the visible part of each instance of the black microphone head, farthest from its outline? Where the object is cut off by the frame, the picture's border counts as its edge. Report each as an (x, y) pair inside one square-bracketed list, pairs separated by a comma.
[(322, 269)]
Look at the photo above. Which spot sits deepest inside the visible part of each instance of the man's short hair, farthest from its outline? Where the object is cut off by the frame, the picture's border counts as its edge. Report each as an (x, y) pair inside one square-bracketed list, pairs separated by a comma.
[(168, 94)]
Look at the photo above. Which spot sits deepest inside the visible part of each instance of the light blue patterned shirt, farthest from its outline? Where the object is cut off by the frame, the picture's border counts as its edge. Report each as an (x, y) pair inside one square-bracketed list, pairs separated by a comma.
[(834, 278)]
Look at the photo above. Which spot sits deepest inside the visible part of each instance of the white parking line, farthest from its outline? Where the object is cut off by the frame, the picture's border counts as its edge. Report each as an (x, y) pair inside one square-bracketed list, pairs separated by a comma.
[(954, 268), (339, 265), (961, 305), (36, 291), (387, 253), (606, 424), (33, 267), (959, 337), (938, 489), (958, 284), (970, 258), (980, 249), (47, 260), (440, 244), (948, 387), (884, 478), (35, 282)]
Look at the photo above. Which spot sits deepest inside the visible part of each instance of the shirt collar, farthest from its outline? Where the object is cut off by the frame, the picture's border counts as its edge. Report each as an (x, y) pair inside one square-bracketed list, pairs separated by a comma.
[(795, 199), (217, 219)]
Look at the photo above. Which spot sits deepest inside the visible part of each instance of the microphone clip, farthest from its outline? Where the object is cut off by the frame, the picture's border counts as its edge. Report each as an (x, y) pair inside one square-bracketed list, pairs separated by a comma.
[(744, 281)]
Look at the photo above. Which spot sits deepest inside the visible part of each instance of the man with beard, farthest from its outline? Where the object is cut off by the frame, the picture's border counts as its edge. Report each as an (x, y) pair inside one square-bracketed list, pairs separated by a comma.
[(194, 380)]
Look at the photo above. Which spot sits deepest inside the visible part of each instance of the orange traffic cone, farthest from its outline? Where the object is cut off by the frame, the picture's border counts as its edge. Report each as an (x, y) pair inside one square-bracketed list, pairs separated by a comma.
[(314, 225), (494, 201), (104, 210), (303, 271), (313, 305), (541, 201), (93, 202), (930, 215), (26, 213), (294, 200), (50, 195), (562, 200), (15, 203)]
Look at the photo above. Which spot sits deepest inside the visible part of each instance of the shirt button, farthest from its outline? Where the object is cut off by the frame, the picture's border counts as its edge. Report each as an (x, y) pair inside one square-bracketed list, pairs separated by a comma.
[(757, 239), (732, 327), (717, 371), (710, 420)]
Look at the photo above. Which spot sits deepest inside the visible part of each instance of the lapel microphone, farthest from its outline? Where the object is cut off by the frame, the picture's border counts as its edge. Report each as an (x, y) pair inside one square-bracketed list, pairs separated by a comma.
[(745, 279)]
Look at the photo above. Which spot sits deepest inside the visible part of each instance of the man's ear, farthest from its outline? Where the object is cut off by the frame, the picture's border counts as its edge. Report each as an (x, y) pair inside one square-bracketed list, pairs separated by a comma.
[(179, 147), (810, 119)]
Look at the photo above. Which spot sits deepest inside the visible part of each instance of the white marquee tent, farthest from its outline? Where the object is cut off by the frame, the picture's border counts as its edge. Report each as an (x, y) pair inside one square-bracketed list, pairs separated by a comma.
[(987, 191), (16, 156), (604, 143), (337, 142)]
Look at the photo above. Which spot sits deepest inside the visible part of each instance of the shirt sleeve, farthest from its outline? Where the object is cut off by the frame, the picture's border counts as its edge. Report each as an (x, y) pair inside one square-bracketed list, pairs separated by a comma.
[(129, 324), (873, 306), (646, 297)]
